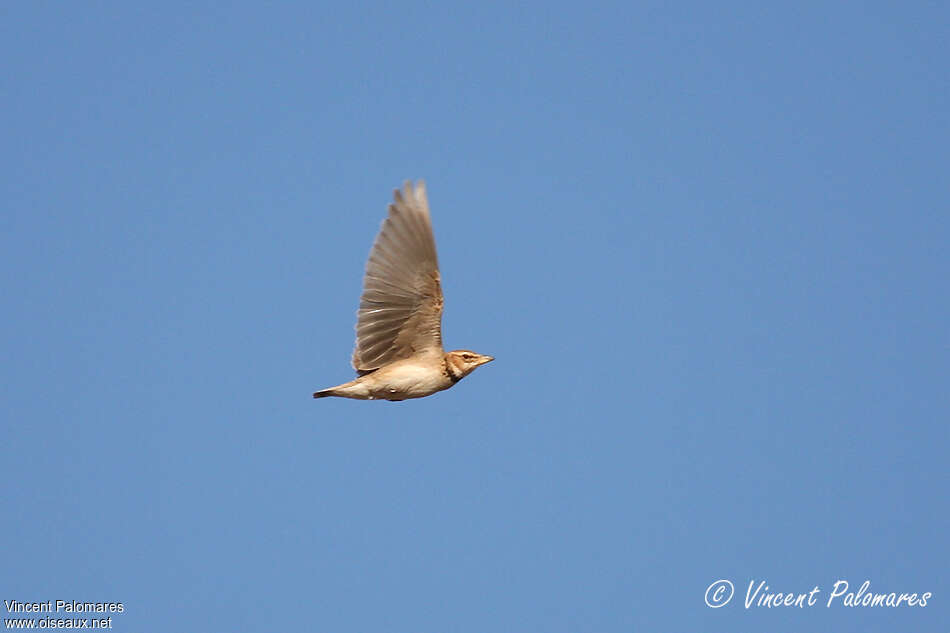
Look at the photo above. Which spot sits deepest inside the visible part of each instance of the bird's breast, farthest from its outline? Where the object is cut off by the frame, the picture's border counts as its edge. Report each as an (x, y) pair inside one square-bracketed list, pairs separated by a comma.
[(406, 379)]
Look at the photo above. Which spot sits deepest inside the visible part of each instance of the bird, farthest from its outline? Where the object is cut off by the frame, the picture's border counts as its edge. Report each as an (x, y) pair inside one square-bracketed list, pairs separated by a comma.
[(399, 354)]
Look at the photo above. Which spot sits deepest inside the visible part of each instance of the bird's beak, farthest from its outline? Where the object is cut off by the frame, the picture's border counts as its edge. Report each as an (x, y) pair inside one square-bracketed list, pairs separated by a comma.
[(486, 359)]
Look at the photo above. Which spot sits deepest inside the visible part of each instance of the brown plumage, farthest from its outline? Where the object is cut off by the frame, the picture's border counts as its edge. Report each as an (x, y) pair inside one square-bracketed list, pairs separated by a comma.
[(399, 351)]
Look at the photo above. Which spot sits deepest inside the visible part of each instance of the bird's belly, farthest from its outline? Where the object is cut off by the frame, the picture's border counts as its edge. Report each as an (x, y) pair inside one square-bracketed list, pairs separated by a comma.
[(407, 381)]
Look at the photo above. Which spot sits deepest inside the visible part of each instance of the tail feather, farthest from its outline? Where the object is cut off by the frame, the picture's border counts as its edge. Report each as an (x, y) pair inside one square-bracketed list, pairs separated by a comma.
[(350, 389)]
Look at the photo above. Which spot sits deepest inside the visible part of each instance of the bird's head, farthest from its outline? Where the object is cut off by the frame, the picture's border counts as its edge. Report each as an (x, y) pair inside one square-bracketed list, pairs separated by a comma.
[(464, 361)]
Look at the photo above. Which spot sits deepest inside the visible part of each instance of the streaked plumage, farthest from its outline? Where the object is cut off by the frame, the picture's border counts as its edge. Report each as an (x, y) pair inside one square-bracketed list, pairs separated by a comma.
[(399, 351)]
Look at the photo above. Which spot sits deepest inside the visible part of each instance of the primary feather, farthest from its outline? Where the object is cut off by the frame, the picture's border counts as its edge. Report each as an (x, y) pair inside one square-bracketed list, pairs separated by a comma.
[(400, 313)]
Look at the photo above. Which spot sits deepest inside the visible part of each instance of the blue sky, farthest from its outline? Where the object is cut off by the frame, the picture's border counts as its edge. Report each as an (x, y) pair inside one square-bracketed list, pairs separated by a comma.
[(707, 244)]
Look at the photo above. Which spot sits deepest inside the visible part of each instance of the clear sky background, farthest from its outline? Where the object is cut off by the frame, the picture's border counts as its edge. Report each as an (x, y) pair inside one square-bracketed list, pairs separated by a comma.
[(707, 243)]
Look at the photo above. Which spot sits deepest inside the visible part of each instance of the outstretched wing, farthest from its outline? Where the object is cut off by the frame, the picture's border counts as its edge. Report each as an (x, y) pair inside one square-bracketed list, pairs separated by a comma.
[(400, 312)]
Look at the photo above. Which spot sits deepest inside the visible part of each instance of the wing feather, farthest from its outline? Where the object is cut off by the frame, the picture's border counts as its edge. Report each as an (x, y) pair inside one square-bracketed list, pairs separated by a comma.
[(400, 311)]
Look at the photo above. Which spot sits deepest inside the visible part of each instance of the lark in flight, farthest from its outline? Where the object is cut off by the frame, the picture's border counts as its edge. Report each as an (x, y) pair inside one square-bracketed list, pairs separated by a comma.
[(399, 351)]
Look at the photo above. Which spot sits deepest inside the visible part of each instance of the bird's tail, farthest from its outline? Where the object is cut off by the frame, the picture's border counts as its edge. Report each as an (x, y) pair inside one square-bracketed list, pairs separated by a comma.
[(352, 389)]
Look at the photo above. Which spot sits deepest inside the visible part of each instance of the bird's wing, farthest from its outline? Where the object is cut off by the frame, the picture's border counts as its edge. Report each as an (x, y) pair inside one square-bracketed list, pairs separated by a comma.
[(400, 312)]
